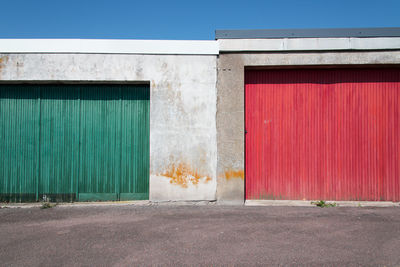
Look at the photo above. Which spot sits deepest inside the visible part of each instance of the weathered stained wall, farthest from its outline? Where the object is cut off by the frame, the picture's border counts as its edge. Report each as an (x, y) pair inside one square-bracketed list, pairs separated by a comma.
[(183, 152), (230, 103)]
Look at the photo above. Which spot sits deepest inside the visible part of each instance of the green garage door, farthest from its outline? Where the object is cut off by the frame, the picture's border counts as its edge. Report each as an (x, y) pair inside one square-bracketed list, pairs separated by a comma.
[(74, 142)]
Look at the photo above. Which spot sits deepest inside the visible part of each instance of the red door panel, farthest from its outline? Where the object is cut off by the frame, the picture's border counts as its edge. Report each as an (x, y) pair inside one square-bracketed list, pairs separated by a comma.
[(331, 134)]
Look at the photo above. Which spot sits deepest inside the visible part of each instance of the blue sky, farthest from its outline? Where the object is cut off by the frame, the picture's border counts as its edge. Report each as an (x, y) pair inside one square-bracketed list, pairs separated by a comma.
[(169, 19)]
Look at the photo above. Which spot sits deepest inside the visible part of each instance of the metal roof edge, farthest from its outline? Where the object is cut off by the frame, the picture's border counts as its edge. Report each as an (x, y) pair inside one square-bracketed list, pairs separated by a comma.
[(110, 46), (308, 33)]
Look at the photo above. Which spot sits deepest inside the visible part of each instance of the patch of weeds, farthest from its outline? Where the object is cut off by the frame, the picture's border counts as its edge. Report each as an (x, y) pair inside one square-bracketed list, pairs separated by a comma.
[(47, 205), (323, 204)]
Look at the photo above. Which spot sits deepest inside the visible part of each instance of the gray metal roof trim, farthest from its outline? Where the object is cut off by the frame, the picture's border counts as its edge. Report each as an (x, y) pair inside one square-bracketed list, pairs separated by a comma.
[(308, 33)]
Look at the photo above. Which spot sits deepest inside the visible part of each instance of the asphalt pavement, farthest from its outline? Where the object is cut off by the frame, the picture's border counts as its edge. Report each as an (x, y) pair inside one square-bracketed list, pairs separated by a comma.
[(209, 235)]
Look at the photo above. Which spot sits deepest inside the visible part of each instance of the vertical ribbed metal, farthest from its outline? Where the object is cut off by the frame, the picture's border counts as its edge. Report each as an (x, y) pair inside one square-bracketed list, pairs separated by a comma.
[(52, 136), (135, 113), (101, 126), (323, 134), (19, 135), (59, 140)]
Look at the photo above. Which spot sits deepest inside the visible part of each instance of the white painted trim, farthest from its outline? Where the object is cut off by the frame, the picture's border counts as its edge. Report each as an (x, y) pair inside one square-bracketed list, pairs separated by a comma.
[(189, 47), (308, 44), (95, 46)]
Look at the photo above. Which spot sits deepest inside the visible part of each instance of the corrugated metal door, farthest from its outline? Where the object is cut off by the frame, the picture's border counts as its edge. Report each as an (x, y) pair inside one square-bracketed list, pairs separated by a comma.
[(70, 142), (19, 142), (331, 134)]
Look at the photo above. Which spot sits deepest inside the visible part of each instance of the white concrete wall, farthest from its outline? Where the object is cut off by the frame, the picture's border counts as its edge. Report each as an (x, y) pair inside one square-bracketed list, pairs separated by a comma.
[(109, 46), (183, 149), (308, 44)]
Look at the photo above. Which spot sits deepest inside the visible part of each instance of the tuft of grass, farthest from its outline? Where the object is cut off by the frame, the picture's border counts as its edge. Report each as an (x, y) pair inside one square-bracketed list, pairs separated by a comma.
[(323, 204), (47, 205)]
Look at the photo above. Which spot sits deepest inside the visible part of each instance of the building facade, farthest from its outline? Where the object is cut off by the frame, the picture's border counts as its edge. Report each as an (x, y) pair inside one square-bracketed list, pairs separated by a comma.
[(252, 115)]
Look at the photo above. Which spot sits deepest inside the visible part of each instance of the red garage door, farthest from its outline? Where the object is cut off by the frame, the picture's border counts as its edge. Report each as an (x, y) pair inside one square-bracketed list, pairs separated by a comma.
[(331, 134)]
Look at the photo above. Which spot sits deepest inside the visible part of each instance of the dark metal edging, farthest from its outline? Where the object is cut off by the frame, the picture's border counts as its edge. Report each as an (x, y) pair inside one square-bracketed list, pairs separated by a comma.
[(308, 33)]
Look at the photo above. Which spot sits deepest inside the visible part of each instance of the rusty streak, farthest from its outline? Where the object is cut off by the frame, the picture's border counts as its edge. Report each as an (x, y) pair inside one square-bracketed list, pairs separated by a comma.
[(234, 174), (183, 175)]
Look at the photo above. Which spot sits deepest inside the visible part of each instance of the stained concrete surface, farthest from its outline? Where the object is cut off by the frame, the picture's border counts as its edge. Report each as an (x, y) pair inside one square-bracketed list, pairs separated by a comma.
[(199, 235), (183, 142)]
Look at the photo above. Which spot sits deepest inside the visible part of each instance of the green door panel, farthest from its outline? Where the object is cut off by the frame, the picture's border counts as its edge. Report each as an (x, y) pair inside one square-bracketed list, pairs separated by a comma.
[(101, 139), (135, 164), (134, 196), (59, 141), (19, 136), (98, 196), (74, 142)]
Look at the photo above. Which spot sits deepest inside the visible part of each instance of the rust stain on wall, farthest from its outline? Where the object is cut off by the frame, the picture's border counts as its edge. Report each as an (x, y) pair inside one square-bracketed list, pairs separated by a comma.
[(234, 174), (3, 60), (183, 175)]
